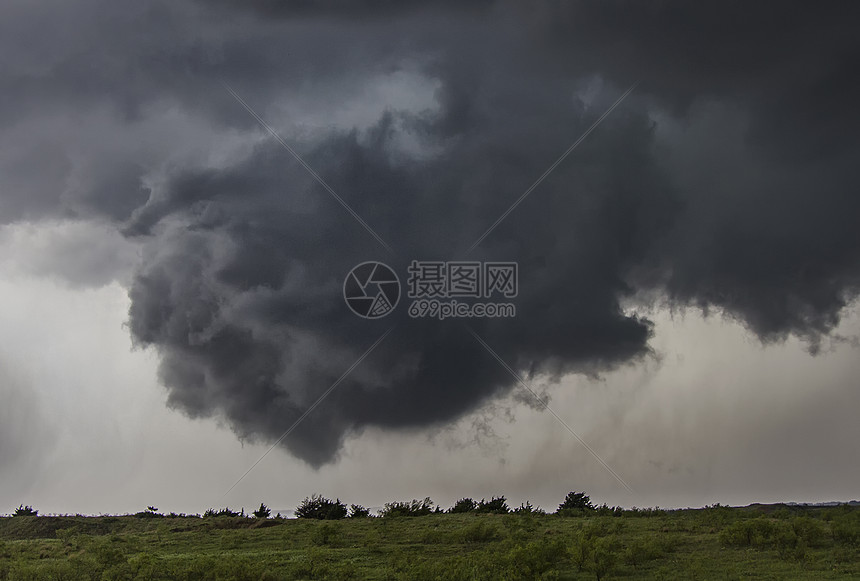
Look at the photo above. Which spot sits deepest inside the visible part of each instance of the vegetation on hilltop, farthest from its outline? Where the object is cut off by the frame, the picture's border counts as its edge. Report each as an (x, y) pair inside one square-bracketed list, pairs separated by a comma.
[(579, 541)]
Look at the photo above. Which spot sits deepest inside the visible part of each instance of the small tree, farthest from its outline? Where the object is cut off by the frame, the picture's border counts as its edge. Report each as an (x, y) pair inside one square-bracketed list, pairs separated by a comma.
[(223, 512), (150, 512), (496, 505), (25, 511), (527, 508), (576, 500), (321, 508), (263, 511), (411, 508), (358, 511), (603, 557), (463, 505), (581, 550), (606, 510)]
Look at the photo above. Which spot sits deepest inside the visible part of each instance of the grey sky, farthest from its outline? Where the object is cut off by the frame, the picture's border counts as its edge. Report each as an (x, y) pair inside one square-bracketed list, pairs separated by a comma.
[(171, 276), (718, 419)]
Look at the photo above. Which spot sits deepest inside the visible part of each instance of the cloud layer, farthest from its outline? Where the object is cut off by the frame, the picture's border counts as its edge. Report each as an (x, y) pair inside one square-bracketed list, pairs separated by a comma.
[(725, 181)]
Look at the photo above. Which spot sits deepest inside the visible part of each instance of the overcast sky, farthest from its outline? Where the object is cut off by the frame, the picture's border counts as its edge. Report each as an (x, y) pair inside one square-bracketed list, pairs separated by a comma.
[(171, 276)]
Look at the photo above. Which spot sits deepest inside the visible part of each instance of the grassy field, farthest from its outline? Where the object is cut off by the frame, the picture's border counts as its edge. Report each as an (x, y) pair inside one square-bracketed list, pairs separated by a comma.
[(759, 542)]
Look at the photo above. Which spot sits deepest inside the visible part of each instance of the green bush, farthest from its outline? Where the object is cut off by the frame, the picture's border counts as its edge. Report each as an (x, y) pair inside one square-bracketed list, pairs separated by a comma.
[(321, 508), (754, 532), (496, 505), (25, 511), (480, 532), (789, 545), (528, 509), (211, 512), (810, 530), (358, 511), (581, 549), (107, 551), (463, 505), (533, 560), (262, 512), (603, 557), (602, 526), (716, 515), (790, 538), (150, 512), (606, 510), (640, 551), (646, 512), (325, 534), (410, 508), (845, 528), (576, 500), (521, 527)]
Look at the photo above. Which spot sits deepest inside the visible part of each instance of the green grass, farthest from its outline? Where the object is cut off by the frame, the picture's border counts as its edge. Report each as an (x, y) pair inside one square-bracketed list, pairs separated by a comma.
[(714, 543)]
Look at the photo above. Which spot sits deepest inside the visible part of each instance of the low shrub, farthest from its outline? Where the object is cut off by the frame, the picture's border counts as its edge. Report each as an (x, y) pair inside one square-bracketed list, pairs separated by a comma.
[(150, 512), (845, 528), (535, 559), (789, 545), (496, 505), (606, 510), (576, 500), (262, 512), (409, 508), (581, 549), (603, 557), (358, 511), (809, 529), (646, 512), (25, 511), (602, 526), (528, 509), (480, 532), (754, 532), (211, 512), (321, 508), (790, 537), (325, 534), (463, 505), (640, 551)]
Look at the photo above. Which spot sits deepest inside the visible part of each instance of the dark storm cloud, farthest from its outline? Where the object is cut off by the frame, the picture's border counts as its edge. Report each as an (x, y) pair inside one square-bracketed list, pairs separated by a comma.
[(246, 301), (346, 8), (726, 181), (768, 229)]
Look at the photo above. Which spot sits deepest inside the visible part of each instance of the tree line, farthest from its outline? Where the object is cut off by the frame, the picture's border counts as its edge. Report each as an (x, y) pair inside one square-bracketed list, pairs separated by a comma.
[(319, 507)]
